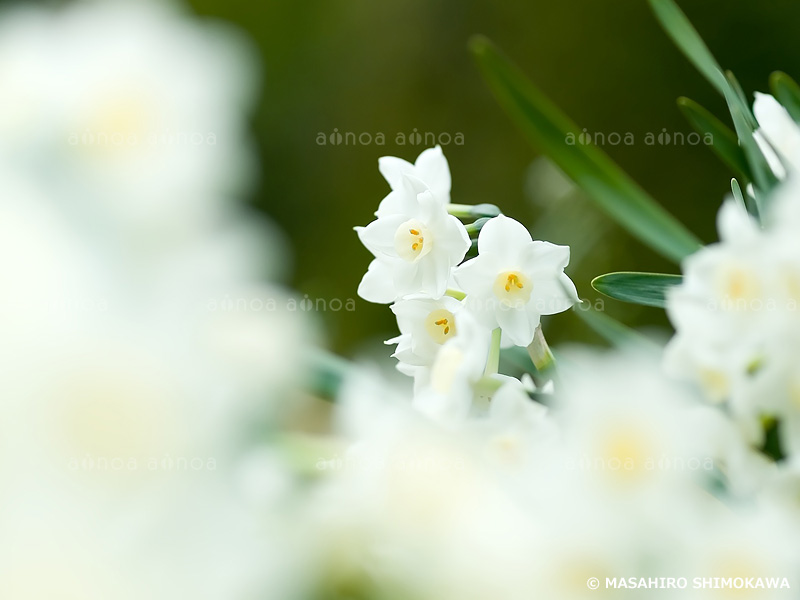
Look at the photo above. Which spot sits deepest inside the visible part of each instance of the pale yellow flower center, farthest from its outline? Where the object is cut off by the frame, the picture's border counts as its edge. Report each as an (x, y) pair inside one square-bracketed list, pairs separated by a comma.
[(512, 288), (739, 286), (412, 240), (440, 325)]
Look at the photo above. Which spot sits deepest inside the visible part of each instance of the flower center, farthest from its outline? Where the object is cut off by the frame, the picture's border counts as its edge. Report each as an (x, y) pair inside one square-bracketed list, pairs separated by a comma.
[(440, 325), (739, 286), (412, 240), (512, 288)]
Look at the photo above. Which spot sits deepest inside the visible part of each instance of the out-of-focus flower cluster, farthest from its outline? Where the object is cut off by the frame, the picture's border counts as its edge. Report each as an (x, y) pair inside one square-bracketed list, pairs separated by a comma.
[(132, 383), (737, 312)]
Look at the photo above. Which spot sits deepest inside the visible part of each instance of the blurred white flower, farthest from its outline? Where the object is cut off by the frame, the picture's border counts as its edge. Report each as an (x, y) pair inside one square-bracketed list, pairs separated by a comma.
[(514, 280), (139, 111), (720, 311), (416, 244), (630, 429)]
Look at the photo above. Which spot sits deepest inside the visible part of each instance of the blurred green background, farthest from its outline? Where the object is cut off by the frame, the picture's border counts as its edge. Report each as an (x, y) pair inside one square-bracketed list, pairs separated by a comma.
[(390, 66)]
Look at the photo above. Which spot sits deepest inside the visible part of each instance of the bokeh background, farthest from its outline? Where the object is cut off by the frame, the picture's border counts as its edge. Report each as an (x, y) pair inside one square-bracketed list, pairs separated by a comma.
[(394, 66)]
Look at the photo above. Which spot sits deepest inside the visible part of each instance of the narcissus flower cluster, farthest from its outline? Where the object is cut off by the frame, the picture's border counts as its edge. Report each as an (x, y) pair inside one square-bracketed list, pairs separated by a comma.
[(453, 314)]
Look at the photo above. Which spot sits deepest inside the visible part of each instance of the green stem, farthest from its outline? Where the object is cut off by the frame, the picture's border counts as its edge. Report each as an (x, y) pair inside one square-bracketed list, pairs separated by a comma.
[(468, 211), (540, 353), (493, 362), (455, 294), (473, 229), (462, 211)]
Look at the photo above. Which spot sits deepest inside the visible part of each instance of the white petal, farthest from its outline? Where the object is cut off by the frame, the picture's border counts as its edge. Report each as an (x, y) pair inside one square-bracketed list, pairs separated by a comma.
[(432, 168), (407, 277), (456, 240), (778, 127), (476, 276), (411, 311), (544, 257), (773, 160), (378, 236), (376, 285), (734, 224), (503, 237), (392, 169), (435, 274), (554, 295), (517, 324), (399, 201)]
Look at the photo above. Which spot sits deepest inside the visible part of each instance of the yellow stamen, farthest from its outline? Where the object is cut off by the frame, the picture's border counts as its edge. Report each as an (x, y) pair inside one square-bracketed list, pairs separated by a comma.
[(513, 288), (440, 323), (513, 280)]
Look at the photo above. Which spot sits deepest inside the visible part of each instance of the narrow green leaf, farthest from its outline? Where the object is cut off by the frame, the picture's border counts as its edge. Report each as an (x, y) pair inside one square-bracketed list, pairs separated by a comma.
[(725, 143), (787, 92), (556, 135), (741, 98), (686, 38), (688, 41), (763, 177), (736, 190), (648, 289), (611, 330)]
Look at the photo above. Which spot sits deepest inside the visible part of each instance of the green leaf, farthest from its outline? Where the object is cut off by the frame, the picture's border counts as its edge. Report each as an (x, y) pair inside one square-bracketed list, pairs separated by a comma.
[(725, 143), (648, 289), (688, 41), (611, 330), (787, 92), (744, 202), (686, 38), (763, 177), (556, 135)]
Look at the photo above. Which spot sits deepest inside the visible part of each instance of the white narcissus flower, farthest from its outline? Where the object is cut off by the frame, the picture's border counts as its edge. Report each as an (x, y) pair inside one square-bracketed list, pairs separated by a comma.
[(445, 391), (515, 280), (416, 244), (425, 325), (430, 167), (718, 309)]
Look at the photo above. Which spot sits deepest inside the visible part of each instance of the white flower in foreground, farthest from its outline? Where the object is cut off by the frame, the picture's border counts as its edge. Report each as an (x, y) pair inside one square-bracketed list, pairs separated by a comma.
[(781, 133), (515, 280), (133, 107), (416, 244), (628, 429), (431, 168)]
